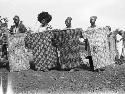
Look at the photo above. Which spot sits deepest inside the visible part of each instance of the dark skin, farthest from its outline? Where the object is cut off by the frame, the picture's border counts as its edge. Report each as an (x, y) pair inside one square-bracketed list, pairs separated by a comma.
[(92, 21), (16, 21), (68, 23), (43, 23)]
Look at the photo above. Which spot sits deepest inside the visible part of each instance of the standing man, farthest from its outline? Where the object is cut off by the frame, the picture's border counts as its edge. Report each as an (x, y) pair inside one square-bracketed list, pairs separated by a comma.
[(98, 45), (18, 27), (120, 43), (92, 22)]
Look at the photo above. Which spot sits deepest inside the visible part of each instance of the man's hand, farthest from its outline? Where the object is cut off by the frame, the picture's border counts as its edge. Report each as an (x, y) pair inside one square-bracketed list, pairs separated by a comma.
[(81, 39), (118, 41)]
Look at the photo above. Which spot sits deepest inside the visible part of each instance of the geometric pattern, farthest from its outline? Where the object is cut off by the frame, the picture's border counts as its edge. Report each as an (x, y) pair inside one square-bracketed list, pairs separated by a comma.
[(99, 46), (71, 49), (44, 53), (18, 54)]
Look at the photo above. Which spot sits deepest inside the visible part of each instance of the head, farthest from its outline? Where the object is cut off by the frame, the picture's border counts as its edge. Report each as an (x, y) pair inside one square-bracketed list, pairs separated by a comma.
[(68, 22), (93, 20), (4, 37), (16, 19), (44, 18), (21, 22), (109, 28)]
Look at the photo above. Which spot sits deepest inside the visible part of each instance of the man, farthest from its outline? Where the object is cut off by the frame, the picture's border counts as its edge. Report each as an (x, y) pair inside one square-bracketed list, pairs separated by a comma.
[(92, 22), (98, 45), (120, 43), (18, 27), (114, 54)]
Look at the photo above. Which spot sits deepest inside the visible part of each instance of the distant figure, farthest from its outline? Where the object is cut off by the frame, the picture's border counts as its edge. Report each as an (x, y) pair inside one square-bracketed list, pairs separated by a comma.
[(98, 45), (44, 18), (4, 46), (18, 27), (112, 45), (120, 43), (68, 22)]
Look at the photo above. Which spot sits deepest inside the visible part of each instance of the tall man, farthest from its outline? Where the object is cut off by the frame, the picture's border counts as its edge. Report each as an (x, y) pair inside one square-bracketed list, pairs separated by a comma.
[(92, 22), (98, 45)]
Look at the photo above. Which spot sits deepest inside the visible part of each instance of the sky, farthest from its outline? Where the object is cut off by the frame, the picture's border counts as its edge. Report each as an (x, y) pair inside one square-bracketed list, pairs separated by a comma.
[(109, 12)]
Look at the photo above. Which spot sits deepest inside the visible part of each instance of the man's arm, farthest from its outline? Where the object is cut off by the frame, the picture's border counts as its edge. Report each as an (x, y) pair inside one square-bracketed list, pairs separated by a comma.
[(22, 29), (109, 34), (11, 30)]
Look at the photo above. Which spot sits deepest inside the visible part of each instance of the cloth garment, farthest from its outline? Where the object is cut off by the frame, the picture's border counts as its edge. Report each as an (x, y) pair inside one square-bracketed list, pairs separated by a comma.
[(44, 53), (18, 54), (72, 50), (99, 46)]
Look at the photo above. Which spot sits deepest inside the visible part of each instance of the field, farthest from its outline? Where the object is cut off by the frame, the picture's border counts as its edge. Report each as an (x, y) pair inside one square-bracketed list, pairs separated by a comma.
[(112, 80)]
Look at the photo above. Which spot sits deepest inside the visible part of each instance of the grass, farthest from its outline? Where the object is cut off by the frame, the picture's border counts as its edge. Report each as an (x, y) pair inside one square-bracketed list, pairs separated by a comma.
[(110, 81)]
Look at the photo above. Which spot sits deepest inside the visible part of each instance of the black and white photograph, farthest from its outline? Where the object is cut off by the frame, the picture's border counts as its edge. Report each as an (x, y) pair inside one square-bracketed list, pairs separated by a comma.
[(62, 47)]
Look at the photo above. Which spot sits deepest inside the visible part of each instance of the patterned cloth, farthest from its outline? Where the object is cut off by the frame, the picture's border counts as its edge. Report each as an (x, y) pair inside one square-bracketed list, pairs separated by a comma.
[(112, 45), (99, 46), (71, 49), (45, 55), (18, 54), (3, 45)]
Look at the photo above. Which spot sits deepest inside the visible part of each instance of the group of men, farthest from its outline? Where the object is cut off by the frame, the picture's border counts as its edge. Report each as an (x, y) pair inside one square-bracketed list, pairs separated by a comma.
[(44, 18)]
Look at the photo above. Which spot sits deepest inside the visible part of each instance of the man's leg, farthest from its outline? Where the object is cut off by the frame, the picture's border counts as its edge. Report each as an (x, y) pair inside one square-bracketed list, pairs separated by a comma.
[(91, 63), (119, 48)]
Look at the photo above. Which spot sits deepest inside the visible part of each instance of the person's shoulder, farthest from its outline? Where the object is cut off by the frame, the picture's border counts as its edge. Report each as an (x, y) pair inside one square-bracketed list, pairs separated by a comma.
[(89, 28), (66, 28), (21, 25), (99, 27)]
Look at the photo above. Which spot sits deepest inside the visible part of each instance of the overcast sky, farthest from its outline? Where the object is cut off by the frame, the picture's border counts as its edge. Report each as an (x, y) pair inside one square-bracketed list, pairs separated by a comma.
[(109, 12)]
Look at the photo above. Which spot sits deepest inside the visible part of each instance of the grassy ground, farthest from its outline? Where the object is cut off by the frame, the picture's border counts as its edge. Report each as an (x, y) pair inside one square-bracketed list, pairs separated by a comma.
[(110, 81)]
